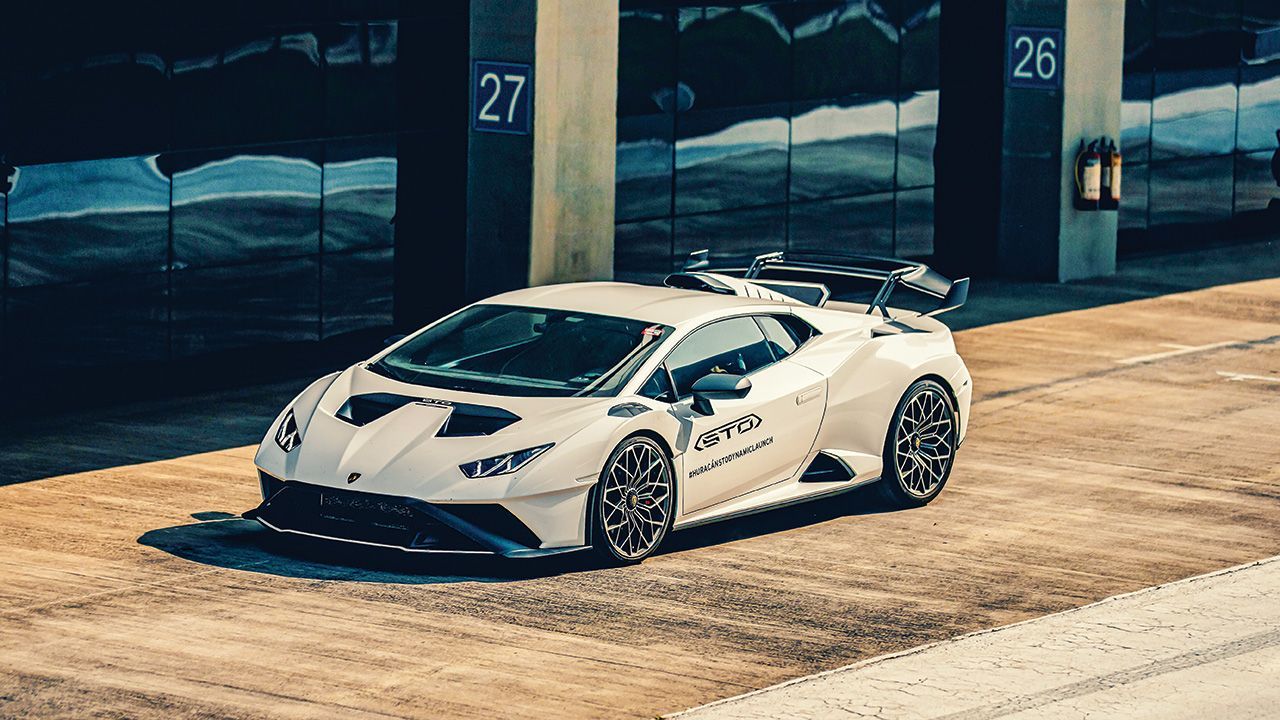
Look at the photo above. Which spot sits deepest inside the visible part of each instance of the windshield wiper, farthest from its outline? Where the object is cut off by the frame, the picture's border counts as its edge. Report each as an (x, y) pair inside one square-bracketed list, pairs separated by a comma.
[(419, 378), (377, 368)]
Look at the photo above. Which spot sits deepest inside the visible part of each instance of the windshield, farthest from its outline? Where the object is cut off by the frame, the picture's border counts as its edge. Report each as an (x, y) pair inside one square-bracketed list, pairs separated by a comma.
[(504, 350)]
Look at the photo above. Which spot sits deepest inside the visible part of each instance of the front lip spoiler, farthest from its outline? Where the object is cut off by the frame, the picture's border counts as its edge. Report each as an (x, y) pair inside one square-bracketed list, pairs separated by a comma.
[(514, 553), (491, 543)]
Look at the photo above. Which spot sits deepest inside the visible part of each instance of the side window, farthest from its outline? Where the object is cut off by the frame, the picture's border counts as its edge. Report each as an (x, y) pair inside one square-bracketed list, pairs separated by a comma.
[(658, 386), (735, 346), (802, 331), (781, 340)]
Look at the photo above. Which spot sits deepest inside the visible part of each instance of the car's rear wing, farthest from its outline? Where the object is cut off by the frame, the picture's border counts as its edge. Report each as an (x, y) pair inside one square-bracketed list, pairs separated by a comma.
[(820, 271)]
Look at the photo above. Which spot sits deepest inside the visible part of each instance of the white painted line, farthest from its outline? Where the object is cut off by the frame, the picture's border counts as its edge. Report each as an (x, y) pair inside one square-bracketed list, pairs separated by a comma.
[(1178, 350), (1241, 377)]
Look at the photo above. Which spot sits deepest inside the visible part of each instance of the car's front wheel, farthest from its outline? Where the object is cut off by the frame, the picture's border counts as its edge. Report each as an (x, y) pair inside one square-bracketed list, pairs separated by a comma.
[(631, 507), (920, 447)]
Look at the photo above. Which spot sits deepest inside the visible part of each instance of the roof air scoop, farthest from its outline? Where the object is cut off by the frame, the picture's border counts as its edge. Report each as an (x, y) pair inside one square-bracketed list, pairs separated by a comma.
[(698, 260), (777, 290), (702, 282)]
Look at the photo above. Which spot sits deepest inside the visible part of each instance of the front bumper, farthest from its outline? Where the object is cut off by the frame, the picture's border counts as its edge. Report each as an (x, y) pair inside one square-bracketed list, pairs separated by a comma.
[(401, 523)]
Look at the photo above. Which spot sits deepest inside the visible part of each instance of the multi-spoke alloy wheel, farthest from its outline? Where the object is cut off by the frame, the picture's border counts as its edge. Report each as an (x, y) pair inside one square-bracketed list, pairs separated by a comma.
[(632, 506), (921, 445)]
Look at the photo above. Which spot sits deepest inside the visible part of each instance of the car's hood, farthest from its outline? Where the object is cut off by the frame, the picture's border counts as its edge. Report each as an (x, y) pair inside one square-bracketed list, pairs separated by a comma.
[(398, 448)]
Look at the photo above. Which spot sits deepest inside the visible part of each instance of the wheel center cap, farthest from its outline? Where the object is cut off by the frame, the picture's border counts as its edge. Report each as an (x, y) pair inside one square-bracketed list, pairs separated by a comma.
[(916, 442), (633, 500)]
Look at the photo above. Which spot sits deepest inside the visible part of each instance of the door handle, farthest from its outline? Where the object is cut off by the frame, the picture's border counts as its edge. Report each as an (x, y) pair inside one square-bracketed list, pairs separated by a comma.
[(807, 395)]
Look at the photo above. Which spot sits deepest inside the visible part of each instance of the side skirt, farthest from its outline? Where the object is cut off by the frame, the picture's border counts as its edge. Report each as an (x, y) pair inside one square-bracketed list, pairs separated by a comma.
[(853, 485)]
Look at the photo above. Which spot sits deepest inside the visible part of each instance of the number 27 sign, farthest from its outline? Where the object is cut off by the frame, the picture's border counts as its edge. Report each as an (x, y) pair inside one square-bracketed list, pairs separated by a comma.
[(1034, 58), (500, 97)]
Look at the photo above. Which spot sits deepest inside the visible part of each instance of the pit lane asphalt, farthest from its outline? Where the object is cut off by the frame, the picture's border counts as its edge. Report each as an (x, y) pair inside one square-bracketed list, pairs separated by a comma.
[(132, 590), (1208, 646)]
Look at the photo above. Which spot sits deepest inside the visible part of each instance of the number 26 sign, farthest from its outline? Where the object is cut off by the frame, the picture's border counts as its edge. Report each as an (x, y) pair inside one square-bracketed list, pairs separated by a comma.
[(500, 97), (1034, 58)]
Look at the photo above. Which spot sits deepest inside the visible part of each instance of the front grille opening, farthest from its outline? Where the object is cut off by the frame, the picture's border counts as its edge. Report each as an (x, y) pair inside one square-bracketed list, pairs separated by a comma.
[(363, 517), (269, 484), (497, 520)]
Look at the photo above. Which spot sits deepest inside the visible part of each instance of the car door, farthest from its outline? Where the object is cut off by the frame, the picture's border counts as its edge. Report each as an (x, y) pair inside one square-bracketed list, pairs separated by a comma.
[(750, 442)]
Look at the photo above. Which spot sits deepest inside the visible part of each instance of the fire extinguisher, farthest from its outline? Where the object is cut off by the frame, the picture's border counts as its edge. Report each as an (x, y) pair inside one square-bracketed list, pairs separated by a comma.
[(1111, 164), (1088, 176)]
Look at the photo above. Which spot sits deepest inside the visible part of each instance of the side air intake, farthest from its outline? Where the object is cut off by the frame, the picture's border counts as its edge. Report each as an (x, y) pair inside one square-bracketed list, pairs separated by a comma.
[(826, 468)]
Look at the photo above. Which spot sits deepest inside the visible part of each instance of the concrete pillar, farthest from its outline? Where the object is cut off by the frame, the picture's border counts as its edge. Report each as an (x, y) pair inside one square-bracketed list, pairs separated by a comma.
[(540, 205), (574, 141), (1090, 108), (1041, 235)]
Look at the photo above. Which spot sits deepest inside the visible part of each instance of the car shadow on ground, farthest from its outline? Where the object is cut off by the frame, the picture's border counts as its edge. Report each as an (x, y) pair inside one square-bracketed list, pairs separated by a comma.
[(219, 539), (994, 300), (231, 542), (106, 437), (865, 500)]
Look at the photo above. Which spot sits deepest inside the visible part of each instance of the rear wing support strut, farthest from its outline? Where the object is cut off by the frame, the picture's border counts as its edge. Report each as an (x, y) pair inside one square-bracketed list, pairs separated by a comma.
[(881, 300)]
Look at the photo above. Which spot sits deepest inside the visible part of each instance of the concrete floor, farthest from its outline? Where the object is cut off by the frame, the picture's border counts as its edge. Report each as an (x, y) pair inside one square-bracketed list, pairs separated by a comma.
[(1108, 453), (1198, 648)]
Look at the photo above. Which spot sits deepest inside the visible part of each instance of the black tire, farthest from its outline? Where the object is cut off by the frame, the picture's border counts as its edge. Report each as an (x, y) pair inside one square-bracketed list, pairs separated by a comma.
[(920, 446), (642, 509)]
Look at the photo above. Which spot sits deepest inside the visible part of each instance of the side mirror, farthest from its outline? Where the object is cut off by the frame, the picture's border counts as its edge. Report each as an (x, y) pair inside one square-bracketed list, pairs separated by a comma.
[(392, 340), (718, 386)]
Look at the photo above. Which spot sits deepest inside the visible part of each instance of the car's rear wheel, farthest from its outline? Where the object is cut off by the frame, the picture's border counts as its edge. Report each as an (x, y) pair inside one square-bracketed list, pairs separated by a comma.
[(631, 507), (920, 447)]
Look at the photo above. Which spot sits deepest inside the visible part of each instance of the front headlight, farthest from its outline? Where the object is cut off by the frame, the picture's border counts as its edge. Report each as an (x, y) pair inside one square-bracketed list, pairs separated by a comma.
[(287, 436), (502, 464)]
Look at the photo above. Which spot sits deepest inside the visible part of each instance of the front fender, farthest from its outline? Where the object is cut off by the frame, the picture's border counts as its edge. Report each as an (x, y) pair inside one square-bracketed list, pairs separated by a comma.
[(269, 456), (579, 458), (551, 498)]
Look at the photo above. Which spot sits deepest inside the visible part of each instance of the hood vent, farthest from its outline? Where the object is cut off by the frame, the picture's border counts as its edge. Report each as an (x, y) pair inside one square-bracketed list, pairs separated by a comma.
[(360, 410), (466, 420), (471, 420)]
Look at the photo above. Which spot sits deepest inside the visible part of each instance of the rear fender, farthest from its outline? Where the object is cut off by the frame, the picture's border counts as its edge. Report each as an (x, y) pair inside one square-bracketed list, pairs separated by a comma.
[(865, 390)]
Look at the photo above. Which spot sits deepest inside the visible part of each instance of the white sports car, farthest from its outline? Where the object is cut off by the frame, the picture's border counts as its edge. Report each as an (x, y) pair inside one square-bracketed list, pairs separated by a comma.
[(605, 415)]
